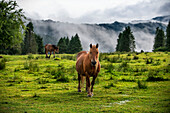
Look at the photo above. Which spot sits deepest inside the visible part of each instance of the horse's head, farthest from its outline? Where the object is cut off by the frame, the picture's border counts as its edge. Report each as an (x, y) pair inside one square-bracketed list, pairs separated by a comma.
[(94, 54), (57, 49)]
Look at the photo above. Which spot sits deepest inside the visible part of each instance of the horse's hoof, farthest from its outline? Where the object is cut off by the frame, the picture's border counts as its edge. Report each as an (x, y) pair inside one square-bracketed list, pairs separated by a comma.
[(79, 90), (89, 95)]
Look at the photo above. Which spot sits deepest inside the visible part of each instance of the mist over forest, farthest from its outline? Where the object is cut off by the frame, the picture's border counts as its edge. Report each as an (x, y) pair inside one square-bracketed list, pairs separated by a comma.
[(105, 34)]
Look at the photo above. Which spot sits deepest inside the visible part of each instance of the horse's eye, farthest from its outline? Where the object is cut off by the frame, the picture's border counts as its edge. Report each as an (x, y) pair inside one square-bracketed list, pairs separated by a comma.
[(97, 52), (90, 52)]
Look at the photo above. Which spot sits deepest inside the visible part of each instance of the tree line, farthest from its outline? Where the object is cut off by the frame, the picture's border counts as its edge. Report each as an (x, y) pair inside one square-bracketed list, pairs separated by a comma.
[(126, 40), (70, 46), (162, 41)]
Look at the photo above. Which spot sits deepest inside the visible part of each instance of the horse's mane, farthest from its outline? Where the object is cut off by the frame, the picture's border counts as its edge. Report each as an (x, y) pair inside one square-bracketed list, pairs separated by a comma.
[(80, 53), (54, 46)]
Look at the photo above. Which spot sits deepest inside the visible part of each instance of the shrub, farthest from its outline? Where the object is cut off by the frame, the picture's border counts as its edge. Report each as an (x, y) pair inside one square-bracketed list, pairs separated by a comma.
[(30, 56), (130, 79), (16, 69), (166, 69), (4, 60), (35, 95), (33, 67), (154, 76), (2, 65), (129, 54), (141, 84), (110, 68), (42, 80), (68, 57), (109, 86), (142, 51), (135, 57), (123, 67), (57, 74), (157, 63), (63, 78), (164, 60), (26, 65), (149, 60)]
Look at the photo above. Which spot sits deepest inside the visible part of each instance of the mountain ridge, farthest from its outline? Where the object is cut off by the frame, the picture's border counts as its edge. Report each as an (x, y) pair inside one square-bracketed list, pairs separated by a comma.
[(105, 34)]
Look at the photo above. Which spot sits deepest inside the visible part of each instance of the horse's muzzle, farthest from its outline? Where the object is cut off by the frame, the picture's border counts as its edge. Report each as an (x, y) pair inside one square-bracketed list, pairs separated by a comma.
[(93, 63)]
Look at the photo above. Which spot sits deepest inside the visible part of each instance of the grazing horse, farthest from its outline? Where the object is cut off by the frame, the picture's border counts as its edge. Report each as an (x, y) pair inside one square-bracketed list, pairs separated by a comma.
[(49, 47), (87, 66)]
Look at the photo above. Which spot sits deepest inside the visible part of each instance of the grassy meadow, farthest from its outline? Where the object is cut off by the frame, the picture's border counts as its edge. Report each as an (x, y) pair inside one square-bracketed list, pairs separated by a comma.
[(127, 82)]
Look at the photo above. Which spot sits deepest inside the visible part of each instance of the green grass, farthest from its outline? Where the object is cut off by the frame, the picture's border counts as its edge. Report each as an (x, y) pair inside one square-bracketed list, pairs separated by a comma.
[(126, 83)]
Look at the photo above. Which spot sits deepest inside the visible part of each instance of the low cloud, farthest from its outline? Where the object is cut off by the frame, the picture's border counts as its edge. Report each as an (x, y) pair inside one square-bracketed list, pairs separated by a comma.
[(165, 9), (96, 11)]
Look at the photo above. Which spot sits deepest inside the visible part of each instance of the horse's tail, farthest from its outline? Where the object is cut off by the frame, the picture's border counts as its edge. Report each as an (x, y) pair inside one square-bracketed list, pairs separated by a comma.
[(80, 53)]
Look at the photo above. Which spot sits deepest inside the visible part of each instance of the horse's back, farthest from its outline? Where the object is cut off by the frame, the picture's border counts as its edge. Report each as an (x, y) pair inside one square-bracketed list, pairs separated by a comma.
[(79, 64), (81, 53), (48, 47)]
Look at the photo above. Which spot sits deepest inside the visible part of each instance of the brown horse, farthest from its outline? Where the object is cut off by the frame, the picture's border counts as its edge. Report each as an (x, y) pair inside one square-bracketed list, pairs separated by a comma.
[(87, 66), (50, 48)]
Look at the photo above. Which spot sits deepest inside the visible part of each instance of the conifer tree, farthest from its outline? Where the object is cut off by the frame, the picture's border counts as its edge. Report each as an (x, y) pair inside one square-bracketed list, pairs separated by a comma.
[(118, 46), (30, 44), (159, 40), (39, 41), (75, 44), (126, 41), (70, 46), (62, 45), (168, 36)]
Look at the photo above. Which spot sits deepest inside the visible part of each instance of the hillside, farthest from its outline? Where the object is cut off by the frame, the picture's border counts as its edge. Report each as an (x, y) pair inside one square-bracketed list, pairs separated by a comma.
[(105, 34)]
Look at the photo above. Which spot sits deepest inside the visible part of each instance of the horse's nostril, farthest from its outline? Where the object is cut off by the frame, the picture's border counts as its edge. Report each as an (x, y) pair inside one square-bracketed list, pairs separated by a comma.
[(93, 63)]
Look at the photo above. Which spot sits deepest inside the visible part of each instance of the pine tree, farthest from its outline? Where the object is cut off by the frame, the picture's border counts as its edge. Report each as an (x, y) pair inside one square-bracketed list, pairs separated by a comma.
[(75, 44), (118, 46), (30, 44), (70, 46), (168, 36), (159, 39), (126, 41), (67, 41), (39, 41), (62, 45)]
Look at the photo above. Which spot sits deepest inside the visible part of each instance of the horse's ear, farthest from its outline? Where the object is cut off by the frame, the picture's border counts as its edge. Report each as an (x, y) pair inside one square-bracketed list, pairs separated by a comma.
[(97, 45), (90, 45)]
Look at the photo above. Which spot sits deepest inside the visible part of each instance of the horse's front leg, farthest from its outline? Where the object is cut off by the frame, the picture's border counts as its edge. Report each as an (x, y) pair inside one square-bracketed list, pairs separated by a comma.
[(50, 54), (92, 83), (79, 87), (88, 86), (54, 53)]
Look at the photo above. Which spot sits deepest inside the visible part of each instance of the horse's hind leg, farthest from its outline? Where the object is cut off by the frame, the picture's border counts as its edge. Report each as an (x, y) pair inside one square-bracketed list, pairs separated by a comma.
[(46, 52), (50, 55), (82, 81), (79, 79)]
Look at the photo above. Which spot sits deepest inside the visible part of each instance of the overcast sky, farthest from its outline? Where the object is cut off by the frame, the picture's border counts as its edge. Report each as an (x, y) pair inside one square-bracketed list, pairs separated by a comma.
[(94, 11)]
